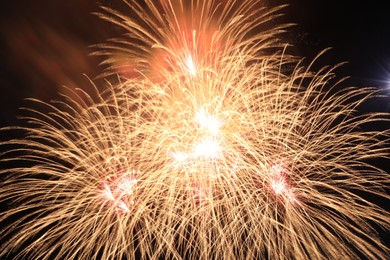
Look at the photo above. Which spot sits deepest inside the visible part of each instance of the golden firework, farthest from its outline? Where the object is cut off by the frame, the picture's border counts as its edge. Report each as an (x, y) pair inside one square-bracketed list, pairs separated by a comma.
[(216, 144)]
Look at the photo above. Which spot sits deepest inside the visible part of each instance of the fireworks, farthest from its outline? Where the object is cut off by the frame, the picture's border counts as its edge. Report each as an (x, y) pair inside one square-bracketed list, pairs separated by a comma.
[(209, 147)]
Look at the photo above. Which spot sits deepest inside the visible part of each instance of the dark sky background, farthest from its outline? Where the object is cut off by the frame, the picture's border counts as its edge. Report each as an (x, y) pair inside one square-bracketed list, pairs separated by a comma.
[(44, 45), (358, 32)]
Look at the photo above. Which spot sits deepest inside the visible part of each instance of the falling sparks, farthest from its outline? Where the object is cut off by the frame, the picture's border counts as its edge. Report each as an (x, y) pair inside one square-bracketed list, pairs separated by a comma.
[(190, 65), (181, 158)]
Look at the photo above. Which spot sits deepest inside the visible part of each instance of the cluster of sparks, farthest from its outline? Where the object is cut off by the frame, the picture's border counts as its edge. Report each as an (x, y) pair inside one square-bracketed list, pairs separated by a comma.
[(119, 190), (208, 147)]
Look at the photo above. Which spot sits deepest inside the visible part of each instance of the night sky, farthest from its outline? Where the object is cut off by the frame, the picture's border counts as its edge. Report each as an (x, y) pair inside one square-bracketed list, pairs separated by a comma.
[(45, 44), (358, 32)]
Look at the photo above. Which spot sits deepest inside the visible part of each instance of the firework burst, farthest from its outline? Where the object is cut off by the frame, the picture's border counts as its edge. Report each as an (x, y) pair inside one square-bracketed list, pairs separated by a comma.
[(208, 148)]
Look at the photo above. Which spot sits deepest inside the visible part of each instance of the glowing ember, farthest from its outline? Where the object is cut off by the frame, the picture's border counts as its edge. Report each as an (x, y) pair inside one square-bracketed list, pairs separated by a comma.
[(209, 123), (120, 191), (190, 65), (281, 183)]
